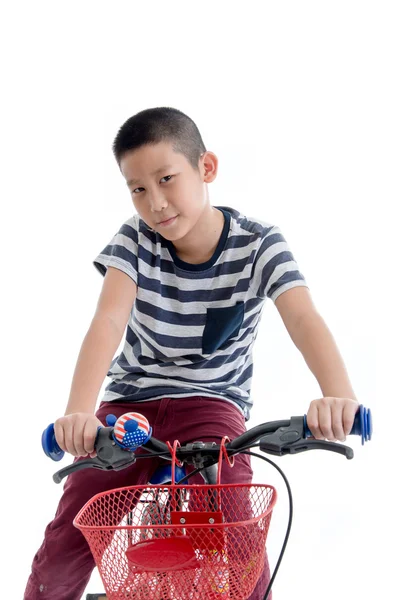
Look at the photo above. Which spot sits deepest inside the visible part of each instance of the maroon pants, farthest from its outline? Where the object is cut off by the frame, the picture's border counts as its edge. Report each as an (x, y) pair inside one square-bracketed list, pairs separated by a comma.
[(63, 564)]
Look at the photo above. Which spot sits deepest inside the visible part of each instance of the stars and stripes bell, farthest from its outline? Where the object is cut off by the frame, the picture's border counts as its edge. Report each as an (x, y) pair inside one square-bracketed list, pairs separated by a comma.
[(131, 430)]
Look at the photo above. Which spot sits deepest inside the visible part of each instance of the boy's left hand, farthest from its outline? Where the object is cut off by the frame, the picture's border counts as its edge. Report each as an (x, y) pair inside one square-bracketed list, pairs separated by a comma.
[(332, 418)]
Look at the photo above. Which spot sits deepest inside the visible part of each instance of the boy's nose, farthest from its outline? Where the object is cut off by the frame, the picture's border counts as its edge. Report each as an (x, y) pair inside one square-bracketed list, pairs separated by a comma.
[(158, 203)]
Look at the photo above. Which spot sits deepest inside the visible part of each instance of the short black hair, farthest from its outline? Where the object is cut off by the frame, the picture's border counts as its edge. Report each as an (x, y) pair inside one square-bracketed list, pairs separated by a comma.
[(161, 124)]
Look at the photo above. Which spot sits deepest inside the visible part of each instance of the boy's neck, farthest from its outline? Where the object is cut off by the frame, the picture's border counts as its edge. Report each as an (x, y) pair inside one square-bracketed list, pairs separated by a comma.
[(199, 245)]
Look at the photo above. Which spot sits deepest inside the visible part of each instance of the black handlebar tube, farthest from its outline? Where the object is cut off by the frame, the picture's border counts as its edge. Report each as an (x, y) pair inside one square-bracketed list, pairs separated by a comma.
[(253, 435), (245, 439), (276, 437)]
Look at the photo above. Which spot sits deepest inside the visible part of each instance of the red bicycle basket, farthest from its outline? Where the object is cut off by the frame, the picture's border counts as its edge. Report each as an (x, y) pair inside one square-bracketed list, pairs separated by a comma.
[(179, 542)]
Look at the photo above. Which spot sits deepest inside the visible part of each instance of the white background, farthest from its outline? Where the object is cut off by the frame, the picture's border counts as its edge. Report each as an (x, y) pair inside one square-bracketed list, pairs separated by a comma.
[(299, 101)]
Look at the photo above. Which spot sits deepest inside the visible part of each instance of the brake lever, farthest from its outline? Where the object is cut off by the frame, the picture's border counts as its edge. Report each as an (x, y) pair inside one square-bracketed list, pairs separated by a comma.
[(110, 456), (290, 440)]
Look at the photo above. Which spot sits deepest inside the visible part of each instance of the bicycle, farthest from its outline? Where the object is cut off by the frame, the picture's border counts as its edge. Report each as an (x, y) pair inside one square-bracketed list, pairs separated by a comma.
[(178, 541)]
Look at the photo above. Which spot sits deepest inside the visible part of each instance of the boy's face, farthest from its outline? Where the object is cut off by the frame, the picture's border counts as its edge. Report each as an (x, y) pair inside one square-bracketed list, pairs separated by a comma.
[(171, 200)]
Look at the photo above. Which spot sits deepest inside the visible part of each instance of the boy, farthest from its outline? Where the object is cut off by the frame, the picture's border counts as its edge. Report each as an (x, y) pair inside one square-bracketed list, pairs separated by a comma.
[(188, 282)]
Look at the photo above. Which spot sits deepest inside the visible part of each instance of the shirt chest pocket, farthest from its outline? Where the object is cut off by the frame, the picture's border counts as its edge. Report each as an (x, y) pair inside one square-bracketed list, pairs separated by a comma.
[(221, 325)]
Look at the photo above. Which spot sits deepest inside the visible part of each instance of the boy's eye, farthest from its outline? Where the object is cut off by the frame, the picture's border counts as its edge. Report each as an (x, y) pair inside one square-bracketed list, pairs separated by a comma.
[(166, 177)]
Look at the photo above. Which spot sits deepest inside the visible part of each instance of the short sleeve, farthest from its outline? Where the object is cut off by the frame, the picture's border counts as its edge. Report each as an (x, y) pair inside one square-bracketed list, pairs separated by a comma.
[(122, 251), (275, 268)]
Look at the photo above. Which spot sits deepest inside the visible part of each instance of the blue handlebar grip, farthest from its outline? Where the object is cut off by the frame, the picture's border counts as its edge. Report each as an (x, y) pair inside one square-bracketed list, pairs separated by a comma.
[(362, 425), (49, 444)]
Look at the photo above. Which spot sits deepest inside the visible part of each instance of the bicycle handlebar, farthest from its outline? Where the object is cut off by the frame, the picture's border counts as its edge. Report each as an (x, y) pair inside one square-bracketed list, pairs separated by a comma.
[(362, 426), (115, 450)]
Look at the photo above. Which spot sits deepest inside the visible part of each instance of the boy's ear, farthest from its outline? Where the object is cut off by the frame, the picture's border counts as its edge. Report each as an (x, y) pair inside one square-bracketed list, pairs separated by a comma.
[(208, 166)]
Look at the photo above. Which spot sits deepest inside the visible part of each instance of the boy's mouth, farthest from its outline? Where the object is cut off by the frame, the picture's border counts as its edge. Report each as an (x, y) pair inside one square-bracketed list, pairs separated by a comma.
[(168, 221)]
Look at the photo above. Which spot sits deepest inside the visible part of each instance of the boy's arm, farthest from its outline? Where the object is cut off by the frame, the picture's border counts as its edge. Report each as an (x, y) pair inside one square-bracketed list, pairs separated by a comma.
[(101, 341), (332, 416)]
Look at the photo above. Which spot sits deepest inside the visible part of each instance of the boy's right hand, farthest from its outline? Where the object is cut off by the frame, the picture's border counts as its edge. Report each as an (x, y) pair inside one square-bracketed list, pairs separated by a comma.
[(76, 433)]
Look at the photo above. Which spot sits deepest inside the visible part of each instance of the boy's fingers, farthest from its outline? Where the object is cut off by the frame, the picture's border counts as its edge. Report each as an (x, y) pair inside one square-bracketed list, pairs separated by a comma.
[(325, 421), (69, 438), (337, 423), (312, 421), (59, 435), (77, 435), (349, 413), (78, 440), (89, 434), (331, 418)]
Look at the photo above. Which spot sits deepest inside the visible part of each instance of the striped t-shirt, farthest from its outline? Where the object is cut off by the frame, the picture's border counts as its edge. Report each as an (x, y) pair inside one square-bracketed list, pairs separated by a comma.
[(192, 327)]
